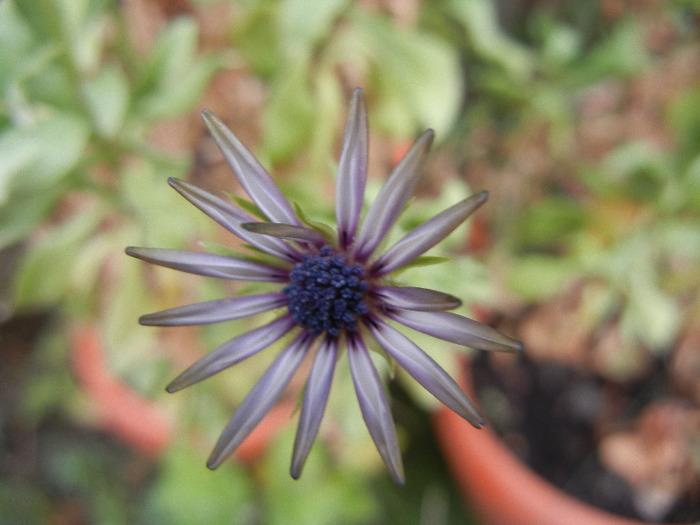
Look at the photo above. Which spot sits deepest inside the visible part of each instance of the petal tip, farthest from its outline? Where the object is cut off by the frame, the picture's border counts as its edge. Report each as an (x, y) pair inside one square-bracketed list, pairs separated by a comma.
[(134, 251), (172, 387)]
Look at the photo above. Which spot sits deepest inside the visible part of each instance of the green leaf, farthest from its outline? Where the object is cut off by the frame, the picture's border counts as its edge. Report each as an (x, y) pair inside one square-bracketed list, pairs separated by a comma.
[(651, 316), (552, 220), (164, 219), (44, 16), (46, 275), (107, 96), (250, 207), (424, 260), (303, 24), (289, 116), (489, 41), (186, 492), (325, 494), (418, 76), (36, 157), (174, 76), (537, 277), (324, 229), (19, 216)]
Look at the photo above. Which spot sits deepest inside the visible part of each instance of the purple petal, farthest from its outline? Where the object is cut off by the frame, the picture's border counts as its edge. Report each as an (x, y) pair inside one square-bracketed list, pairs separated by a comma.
[(259, 400), (457, 329), (209, 264), (421, 239), (375, 408), (318, 387), (352, 171), (393, 197), (252, 176), (232, 352), (427, 372), (413, 298), (215, 311), (230, 217), (285, 231)]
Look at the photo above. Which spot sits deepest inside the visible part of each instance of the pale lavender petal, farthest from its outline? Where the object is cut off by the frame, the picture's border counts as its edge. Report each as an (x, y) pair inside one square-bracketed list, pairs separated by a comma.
[(215, 311), (413, 298), (375, 408), (427, 372), (259, 400), (318, 387), (457, 329), (285, 231), (421, 239), (252, 176), (352, 171), (232, 352), (231, 218), (209, 264), (392, 197)]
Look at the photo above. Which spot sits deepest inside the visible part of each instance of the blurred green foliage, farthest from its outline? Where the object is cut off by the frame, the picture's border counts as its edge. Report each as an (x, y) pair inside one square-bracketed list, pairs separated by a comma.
[(80, 179)]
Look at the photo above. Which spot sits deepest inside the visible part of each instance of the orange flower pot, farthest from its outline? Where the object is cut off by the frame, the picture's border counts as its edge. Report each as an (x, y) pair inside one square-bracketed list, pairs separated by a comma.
[(500, 488)]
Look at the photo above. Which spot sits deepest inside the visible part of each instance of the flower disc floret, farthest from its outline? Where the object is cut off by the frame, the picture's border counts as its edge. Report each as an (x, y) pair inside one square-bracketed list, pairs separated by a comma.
[(327, 293)]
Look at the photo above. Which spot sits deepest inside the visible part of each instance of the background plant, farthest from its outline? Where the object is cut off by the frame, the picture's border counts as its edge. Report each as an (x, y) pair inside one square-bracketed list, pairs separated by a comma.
[(544, 106)]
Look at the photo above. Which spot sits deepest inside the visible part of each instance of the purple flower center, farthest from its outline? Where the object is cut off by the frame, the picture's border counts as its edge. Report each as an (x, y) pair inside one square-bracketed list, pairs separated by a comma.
[(326, 293)]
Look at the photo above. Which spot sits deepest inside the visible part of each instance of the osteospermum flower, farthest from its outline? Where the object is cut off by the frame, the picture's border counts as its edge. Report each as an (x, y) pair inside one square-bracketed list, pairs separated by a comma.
[(332, 294)]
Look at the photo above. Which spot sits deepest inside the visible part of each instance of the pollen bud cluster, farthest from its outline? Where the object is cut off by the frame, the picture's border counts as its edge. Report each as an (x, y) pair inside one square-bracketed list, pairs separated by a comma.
[(327, 294)]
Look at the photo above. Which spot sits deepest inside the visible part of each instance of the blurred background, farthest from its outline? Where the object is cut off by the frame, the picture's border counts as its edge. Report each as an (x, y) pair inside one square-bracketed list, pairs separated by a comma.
[(582, 120)]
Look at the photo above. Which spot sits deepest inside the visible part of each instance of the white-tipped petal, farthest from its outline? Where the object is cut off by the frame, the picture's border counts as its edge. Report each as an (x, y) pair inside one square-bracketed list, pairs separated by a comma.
[(259, 400), (352, 171), (457, 329), (318, 386), (252, 176), (209, 264), (393, 197), (422, 238), (375, 408), (232, 352), (414, 298), (231, 218), (427, 372), (215, 311)]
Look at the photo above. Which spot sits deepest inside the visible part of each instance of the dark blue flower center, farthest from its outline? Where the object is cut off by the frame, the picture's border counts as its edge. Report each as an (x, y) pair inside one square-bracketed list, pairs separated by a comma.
[(326, 293)]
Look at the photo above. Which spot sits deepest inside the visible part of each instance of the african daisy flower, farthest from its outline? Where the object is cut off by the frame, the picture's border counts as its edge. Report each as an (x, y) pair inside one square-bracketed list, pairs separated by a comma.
[(332, 294)]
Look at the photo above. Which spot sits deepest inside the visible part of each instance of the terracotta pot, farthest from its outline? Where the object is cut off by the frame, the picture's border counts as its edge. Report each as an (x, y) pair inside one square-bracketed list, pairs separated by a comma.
[(501, 489), (119, 410), (141, 423)]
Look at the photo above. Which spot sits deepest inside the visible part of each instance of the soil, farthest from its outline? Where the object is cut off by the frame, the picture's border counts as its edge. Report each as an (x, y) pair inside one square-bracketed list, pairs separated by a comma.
[(593, 437)]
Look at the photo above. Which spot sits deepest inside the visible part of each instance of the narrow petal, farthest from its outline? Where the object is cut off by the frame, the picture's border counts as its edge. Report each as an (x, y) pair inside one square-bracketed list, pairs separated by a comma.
[(352, 171), (232, 352), (375, 408), (215, 311), (231, 218), (413, 298), (252, 176), (457, 329), (393, 197), (421, 239), (427, 372), (209, 264), (259, 400), (318, 386), (285, 231)]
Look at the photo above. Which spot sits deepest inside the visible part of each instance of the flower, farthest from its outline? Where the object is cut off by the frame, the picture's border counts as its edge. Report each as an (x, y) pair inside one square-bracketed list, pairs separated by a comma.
[(332, 294)]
